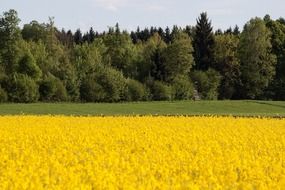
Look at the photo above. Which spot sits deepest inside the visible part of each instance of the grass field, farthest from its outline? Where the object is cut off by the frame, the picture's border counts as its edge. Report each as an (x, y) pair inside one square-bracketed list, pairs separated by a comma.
[(238, 108)]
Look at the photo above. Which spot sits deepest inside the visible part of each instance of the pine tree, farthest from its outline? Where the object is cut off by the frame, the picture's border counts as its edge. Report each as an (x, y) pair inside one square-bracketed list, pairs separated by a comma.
[(134, 37), (219, 32), (117, 29), (167, 35), (203, 43), (229, 31), (161, 32), (189, 30), (78, 39), (152, 30), (91, 35), (174, 32), (236, 30), (69, 38)]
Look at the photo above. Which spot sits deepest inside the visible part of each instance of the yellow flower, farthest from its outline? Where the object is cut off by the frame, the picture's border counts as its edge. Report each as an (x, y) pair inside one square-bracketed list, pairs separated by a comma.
[(60, 152)]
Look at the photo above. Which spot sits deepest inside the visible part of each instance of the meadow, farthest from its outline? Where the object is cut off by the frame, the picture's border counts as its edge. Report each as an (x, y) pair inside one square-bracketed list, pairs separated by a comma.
[(236, 108), (67, 152)]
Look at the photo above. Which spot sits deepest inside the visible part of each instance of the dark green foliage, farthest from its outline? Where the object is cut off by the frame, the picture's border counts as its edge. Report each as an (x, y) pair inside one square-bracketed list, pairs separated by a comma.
[(203, 43), (136, 91), (28, 66), (91, 91), (167, 35), (226, 62), (47, 89), (236, 30), (78, 38), (40, 61), (182, 88), (114, 84), (34, 31), (52, 89), (3, 95), (21, 88), (2, 73), (60, 92), (160, 91), (207, 83), (277, 89), (278, 44), (277, 29), (89, 37), (153, 63), (107, 85)]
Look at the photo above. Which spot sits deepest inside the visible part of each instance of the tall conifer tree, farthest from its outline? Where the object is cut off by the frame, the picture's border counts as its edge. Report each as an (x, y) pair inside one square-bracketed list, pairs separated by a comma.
[(203, 43)]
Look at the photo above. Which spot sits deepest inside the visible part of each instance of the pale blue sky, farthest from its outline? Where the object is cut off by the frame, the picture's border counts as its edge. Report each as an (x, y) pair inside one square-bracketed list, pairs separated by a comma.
[(72, 14)]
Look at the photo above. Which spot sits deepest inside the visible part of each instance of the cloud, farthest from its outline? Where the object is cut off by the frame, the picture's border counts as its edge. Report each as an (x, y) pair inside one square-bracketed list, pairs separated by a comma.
[(112, 5), (115, 5)]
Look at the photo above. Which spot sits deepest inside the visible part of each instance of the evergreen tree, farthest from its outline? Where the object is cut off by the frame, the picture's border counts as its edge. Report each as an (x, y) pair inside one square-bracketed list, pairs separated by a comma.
[(167, 35), (69, 39), (203, 43), (281, 20), (161, 32), (236, 30), (153, 64), (117, 29), (78, 39), (91, 35), (174, 32), (146, 34), (218, 32), (189, 30), (229, 31), (134, 37)]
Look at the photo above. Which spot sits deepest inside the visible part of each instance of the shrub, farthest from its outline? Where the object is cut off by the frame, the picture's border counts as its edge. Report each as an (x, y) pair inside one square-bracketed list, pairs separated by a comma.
[(22, 88), (47, 89), (52, 89), (106, 84), (136, 91), (161, 91), (28, 66), (90, 91), (182, 88), (207, 83), (3, 95), (114, 84), (60, 93)]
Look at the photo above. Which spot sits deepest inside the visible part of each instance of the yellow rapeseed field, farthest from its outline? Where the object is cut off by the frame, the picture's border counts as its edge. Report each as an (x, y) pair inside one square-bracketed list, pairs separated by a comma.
[(60, 152)]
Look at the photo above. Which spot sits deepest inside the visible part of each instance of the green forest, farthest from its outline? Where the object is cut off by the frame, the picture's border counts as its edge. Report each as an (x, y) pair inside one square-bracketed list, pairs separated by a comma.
[(42, 63)]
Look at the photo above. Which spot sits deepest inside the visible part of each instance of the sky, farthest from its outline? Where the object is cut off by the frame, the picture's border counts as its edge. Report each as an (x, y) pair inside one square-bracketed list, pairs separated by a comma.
[(101, 14)]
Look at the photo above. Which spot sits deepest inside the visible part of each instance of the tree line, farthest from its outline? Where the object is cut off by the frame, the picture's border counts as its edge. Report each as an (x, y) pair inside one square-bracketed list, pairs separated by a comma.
[(39, 62)]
